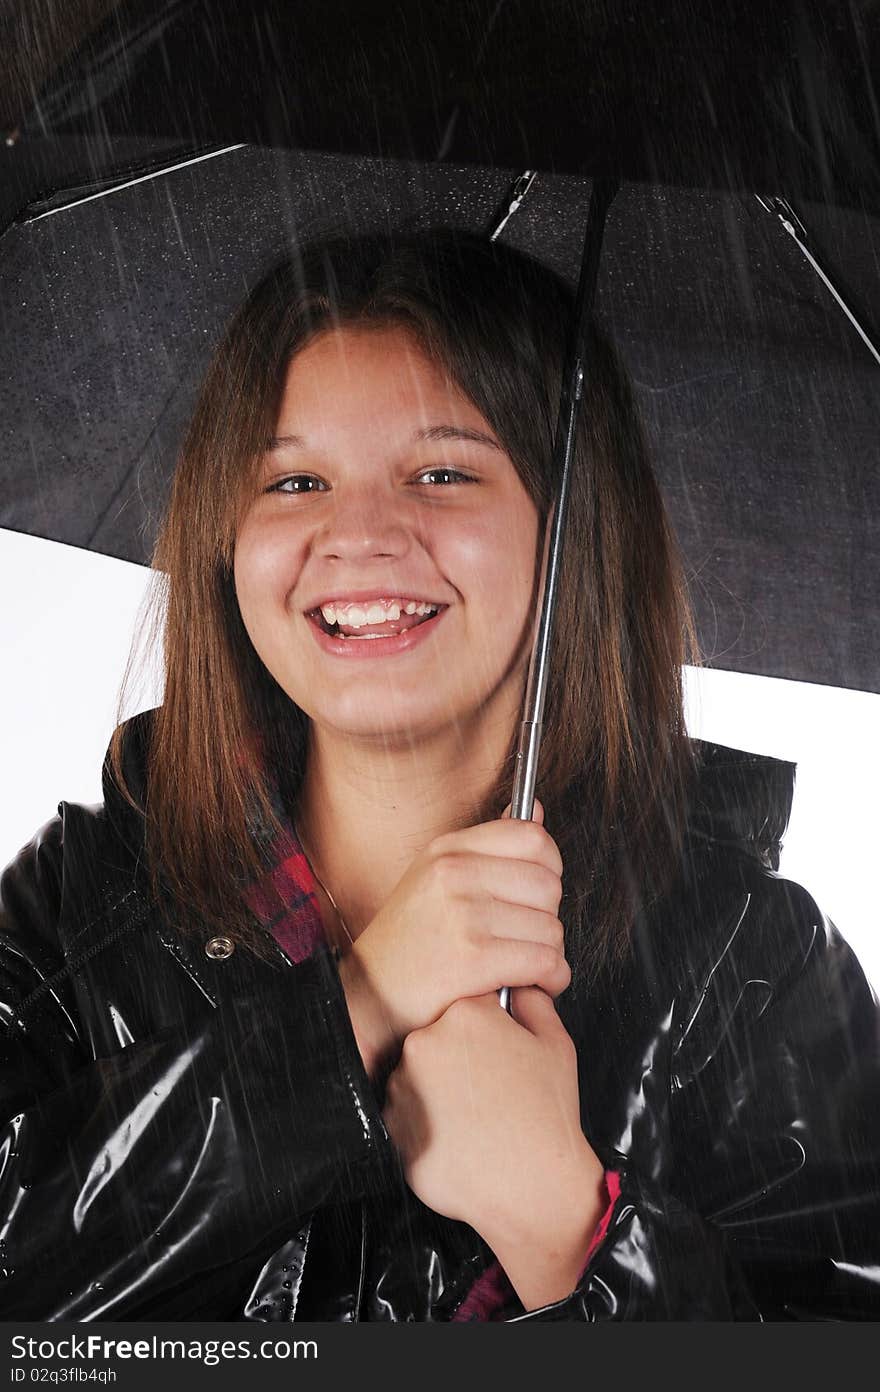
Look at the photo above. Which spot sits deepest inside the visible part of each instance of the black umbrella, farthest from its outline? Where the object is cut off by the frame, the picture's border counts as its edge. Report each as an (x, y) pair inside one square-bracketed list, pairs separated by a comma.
[(762, 409), (749, 95), (758, 390)]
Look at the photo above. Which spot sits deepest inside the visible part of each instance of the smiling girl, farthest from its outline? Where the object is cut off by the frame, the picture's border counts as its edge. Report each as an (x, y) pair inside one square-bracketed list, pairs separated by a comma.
[(255, 1063)]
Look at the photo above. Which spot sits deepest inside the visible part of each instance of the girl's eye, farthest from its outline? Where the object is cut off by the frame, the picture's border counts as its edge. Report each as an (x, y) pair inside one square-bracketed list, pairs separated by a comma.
[(299, 483), (445, 476), (309, 483)]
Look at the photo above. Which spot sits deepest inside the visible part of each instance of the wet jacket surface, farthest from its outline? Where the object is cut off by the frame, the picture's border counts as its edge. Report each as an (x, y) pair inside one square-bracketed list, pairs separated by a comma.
[(191, 1138)]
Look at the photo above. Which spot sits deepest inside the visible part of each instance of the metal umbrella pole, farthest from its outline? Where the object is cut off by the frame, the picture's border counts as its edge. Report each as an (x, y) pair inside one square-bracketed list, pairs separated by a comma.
[(529, 748)]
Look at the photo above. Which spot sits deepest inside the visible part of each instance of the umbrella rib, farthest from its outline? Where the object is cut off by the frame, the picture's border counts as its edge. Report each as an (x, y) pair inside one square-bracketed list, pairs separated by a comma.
[(130, 183), (515, 195), (799, 235)]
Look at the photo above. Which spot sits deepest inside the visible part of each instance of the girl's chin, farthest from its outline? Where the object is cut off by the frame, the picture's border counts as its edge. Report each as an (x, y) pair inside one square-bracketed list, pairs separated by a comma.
[(397, 724), (377, 712)]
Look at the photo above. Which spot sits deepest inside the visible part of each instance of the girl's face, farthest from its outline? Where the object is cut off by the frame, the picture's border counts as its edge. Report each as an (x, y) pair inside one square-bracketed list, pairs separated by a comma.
[(385, 491)]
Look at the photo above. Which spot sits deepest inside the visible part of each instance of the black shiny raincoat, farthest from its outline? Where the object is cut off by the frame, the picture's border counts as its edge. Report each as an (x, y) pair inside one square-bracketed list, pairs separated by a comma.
[(186, 1137)]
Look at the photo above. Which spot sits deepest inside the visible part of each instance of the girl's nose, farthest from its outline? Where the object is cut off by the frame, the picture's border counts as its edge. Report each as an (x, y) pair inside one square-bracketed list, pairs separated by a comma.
[(361, 523)]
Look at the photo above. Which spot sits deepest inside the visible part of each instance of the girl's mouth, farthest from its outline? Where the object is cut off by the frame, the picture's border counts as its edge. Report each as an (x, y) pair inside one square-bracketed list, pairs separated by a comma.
[(375, 640)]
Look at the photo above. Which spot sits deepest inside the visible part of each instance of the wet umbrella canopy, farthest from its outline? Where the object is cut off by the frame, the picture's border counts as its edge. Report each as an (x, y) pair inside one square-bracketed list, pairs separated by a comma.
[(760, 398), (759, 394)]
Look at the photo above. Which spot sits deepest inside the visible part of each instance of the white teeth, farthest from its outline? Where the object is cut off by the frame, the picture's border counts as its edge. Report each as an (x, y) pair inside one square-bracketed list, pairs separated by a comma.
[(376, 612)]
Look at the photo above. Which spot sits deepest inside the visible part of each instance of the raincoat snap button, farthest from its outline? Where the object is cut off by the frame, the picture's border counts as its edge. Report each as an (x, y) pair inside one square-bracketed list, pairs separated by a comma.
[(219, 948)]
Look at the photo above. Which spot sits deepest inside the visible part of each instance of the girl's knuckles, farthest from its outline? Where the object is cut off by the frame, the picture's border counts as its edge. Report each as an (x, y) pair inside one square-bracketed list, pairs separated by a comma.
[(439, 847), (446, 875), (461, 1009), (413, 1049), (546, 960)]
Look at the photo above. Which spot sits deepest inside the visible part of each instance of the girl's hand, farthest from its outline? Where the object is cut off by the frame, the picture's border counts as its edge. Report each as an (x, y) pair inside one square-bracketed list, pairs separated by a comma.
[(475, 911), (484, 1111)]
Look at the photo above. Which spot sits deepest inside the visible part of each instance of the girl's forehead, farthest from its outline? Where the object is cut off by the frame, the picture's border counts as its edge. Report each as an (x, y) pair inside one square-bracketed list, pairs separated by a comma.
[(347, 374)]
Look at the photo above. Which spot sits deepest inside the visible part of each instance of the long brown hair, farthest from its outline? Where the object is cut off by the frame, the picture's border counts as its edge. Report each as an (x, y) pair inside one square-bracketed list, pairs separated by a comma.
[(227, 740)]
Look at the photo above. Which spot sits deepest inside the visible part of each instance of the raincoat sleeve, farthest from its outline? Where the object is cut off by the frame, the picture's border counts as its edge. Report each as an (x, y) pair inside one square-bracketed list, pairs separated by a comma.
[(764, 1203), (125, 1179)]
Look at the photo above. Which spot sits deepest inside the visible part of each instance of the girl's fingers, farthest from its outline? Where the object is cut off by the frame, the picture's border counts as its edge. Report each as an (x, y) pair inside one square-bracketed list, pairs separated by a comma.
[(506, 838), (537, 812), (525, 925), (518, 882), (533, 964), (534, 1009)]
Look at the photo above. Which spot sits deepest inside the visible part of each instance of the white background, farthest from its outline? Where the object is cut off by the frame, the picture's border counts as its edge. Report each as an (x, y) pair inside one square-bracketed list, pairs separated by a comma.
[(66, 626)]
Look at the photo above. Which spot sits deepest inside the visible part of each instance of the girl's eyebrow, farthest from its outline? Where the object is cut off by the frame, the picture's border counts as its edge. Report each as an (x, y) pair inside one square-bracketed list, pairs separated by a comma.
[(286, 442), (431, 432), (457, 432)]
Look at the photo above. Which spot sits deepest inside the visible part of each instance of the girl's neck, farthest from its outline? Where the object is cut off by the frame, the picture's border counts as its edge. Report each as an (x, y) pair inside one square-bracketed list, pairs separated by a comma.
[(365, 811)]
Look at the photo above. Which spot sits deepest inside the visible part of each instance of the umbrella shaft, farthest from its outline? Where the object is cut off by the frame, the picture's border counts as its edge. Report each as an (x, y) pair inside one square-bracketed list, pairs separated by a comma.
[(528, 752), (523, 798)]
